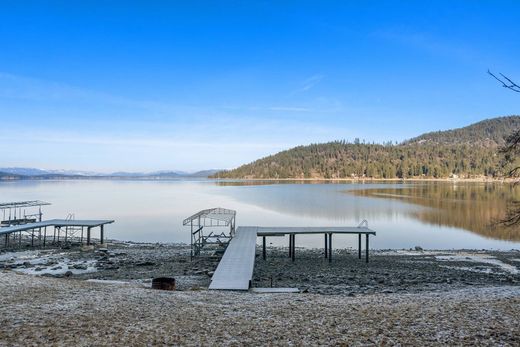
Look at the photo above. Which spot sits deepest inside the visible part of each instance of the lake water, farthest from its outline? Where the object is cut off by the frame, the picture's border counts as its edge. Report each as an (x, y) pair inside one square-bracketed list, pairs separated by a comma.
[(431, 215)]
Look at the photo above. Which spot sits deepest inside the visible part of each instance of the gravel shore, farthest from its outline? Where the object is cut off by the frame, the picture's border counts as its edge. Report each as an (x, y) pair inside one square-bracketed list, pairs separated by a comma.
[(48, 311), (389, 271), (103, 297)]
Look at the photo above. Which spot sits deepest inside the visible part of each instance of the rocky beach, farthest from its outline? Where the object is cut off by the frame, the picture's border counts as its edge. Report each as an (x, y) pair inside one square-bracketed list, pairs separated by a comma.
[(102, 296)]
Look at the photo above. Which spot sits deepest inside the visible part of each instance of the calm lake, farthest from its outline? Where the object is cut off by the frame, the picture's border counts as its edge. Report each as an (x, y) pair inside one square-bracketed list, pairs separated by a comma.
[(431, 215)]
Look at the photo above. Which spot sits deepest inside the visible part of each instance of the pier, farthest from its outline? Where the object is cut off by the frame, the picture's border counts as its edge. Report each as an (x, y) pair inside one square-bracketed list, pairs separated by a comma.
[(38, 231), (235, 269)]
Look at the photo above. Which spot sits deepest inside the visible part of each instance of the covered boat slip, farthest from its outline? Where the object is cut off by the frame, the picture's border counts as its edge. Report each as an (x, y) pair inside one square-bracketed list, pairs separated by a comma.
[(57, 224), (235, 269)]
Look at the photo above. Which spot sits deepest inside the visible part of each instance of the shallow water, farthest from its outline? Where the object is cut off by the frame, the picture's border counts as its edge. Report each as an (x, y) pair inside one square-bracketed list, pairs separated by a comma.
[(431, 215)]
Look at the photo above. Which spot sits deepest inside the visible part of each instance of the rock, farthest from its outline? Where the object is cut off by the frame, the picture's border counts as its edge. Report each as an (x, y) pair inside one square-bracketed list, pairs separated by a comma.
[(56, 268), (39, 269), (27, 264), (418, 248), (145, 263), (87, 248), (210, 273), (68, 273), (79, 266)]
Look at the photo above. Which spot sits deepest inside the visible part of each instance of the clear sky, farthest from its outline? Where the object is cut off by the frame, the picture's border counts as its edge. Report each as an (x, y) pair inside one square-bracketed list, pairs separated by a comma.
[(151, 85)]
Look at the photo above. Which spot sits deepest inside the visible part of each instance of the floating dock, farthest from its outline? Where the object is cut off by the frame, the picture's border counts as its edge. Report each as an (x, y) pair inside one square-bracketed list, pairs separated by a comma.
[(235, 269)]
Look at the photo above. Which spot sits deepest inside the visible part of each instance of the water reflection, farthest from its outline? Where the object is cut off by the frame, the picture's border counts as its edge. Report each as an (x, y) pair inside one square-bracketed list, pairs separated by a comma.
[(404, 215), (470, 206)]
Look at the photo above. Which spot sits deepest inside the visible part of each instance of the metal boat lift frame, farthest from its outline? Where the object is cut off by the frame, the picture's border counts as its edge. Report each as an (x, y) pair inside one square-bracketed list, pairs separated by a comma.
[(212, 217)]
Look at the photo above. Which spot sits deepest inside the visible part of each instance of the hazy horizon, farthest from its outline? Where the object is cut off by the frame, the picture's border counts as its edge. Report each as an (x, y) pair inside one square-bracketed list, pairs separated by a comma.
[(143, 87)]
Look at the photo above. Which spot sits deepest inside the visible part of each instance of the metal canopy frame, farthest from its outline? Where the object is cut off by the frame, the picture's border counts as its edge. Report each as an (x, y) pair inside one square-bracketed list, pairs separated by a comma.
[(12, 213), (212, 217)]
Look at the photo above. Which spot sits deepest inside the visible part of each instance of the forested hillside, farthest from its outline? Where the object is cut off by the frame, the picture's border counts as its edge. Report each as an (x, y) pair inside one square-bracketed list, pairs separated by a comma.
[(466, 152)]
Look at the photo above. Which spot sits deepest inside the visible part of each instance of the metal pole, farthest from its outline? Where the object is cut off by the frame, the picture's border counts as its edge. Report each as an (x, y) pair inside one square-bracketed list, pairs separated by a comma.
[(263, 248), (293, 246), (81, 238), (366, 235), (88, 236), (44, 235), (102, 233), (32, 238), (290, 245), (359, 246), (326, 249), (330, 248)]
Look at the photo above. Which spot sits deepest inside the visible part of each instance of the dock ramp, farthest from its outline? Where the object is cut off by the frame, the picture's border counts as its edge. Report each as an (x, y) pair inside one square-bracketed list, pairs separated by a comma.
[(235, 270)]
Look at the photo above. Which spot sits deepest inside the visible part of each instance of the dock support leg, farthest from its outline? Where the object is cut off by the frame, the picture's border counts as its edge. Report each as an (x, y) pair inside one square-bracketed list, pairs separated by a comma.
[(366, 254), (326, 250), (290, 246), (6, 240), (44, 235), (20, 240), (102, 234), (293, 246), (330, 248), (81, 238), (359, 246), (32, 238), (263, 248), (88, 236)]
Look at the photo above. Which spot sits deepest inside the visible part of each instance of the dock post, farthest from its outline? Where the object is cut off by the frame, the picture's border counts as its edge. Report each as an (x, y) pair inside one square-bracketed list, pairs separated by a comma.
[(44, 235), (32, 238), (366, 254), (6, 240), (326, 250), (88, 236), (359, 246), (102, 233), (263, 248), (330, 248), (293, 246), (290, 246)]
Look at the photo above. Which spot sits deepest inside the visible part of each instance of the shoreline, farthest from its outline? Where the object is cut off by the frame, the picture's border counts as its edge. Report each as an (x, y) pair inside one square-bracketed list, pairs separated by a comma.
[(402, 297), (389, 271)]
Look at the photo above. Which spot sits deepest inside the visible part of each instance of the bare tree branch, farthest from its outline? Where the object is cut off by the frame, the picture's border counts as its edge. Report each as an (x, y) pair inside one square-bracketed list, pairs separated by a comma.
[(506, 82)]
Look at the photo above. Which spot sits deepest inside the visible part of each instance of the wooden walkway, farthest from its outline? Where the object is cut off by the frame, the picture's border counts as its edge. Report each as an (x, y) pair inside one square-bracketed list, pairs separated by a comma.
[(235, 269)]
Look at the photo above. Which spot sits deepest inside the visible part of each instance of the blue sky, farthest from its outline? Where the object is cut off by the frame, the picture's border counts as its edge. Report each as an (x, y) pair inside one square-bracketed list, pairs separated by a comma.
[(141, 85)]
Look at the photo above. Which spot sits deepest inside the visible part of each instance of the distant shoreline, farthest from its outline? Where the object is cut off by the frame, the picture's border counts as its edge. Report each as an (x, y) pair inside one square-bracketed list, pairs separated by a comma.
[(351, 180), (476, 180)]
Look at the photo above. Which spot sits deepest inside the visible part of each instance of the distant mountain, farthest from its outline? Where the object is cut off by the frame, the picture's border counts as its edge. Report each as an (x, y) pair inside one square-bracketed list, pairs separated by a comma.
[(33, 173), (466, 152), (23, 171)]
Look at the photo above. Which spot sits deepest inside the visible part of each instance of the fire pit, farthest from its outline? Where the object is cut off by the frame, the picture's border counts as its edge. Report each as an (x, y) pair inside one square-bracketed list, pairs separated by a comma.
[(163, 283)]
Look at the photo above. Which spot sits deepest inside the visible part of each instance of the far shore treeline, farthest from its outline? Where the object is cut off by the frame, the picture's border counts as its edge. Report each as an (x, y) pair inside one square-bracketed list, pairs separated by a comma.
[(469, 152)]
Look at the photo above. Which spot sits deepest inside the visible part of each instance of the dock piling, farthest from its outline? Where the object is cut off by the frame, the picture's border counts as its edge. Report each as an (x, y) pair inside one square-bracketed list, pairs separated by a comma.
[(366, 254)]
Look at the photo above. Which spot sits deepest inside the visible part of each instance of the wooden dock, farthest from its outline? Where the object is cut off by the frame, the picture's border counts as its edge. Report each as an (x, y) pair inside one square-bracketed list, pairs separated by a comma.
[(235, 269)]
